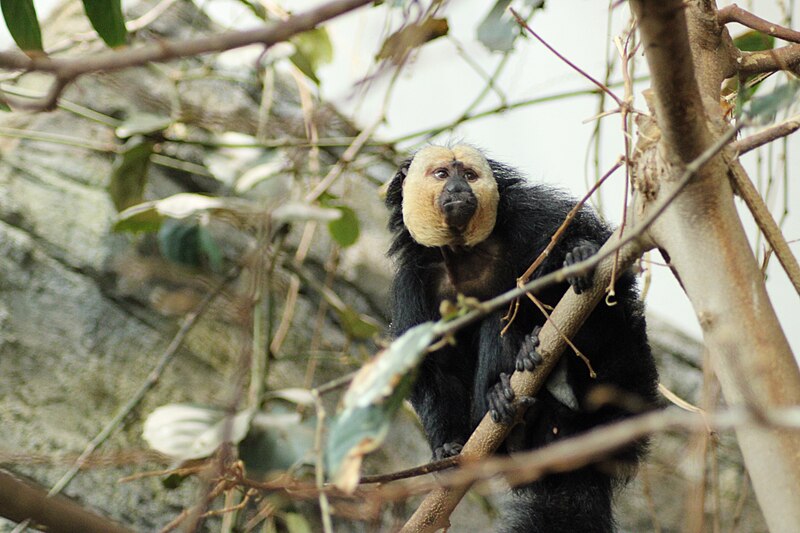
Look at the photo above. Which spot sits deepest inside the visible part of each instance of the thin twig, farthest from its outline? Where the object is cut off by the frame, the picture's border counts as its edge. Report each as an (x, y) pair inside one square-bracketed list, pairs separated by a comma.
[(435, 466), (554, 239), (347, 157), (319, 471), (575, 67)]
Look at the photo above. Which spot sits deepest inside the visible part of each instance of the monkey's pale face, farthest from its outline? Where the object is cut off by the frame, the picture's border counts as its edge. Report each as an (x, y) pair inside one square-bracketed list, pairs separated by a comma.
[(432, 169)]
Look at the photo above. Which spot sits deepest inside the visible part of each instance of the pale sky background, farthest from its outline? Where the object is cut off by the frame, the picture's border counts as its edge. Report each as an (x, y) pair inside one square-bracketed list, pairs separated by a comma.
[(548, 142)]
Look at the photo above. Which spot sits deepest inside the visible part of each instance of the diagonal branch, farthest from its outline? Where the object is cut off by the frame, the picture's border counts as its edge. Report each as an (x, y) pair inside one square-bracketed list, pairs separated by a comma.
[(766, 223), (66, 70), (22, 500)]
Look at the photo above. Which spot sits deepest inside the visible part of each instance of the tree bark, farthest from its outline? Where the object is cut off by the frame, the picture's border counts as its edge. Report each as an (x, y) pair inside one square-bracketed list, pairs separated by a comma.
[(707, 245)]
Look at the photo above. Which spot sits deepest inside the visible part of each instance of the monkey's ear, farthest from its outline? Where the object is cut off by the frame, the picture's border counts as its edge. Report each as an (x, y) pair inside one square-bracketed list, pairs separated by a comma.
[(394, 192)]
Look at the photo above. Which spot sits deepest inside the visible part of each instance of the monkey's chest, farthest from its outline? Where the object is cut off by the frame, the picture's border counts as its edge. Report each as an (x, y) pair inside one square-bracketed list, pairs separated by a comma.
[(480, 272)]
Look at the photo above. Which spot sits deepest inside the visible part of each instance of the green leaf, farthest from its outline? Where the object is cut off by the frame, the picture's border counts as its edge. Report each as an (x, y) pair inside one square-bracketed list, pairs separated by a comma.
[(107, 20), (766, 107), (185, 431), (373, 398), (188, 244), (356, 325), (142, 218), (4, 106), (414, 35), (20, 17), (279, 439), (498, 30), (209, 249), (345, 229), (129, 173), (312, 49), (142, 124), (173, 481), (754, 41), (297, 523)]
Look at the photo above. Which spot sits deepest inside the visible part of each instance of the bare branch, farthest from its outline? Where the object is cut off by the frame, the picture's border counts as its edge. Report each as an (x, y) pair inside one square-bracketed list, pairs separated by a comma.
[(581, 450), (767, 135), (66, 70), (22, 500), (784, 58), (707, 245), (766, 223), (734, 13), (679, 107), (435, 466)]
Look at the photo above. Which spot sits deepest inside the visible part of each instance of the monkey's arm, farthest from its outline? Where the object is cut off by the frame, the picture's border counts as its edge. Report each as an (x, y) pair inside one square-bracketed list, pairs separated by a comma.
[(440, 395)]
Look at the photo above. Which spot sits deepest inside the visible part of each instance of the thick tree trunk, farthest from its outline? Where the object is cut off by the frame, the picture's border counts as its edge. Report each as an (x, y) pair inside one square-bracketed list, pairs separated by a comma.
[(707, 246)]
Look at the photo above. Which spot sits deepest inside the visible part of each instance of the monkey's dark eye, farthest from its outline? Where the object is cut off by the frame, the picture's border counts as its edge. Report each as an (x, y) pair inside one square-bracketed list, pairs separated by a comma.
[(470, 175), (440, 173)]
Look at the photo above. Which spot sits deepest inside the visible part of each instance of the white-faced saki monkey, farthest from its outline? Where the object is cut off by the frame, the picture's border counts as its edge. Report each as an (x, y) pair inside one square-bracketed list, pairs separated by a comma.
[(464, 224)]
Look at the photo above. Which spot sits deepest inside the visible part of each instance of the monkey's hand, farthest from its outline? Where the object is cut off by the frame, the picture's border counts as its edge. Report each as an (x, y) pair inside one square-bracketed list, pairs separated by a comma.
[(527, 357), (501, 401), (448, 449), (580, 253)]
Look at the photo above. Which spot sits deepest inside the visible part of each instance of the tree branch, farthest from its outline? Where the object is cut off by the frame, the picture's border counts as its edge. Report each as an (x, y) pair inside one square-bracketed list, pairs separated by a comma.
[(784, 58), (22, 500), (66, 70), (734, 13), (748, 192), (679, 108), (767, 135), (708, 247)]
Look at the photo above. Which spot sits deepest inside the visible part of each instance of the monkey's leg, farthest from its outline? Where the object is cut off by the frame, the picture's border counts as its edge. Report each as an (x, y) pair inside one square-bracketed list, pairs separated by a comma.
[(442, 403), (572, 502)]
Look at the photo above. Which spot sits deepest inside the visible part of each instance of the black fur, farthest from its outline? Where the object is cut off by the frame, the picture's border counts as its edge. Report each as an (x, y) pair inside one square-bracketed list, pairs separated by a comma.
[(450, 394)]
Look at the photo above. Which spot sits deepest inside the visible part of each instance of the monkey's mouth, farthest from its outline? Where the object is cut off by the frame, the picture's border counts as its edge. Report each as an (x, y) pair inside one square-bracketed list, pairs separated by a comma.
[(458, 210)]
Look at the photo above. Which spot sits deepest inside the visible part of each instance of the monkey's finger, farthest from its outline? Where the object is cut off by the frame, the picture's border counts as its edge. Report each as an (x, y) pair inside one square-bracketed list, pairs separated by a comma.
[(534, 336), (529, 362), (506, 412), (505, 381), (490, 400)]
